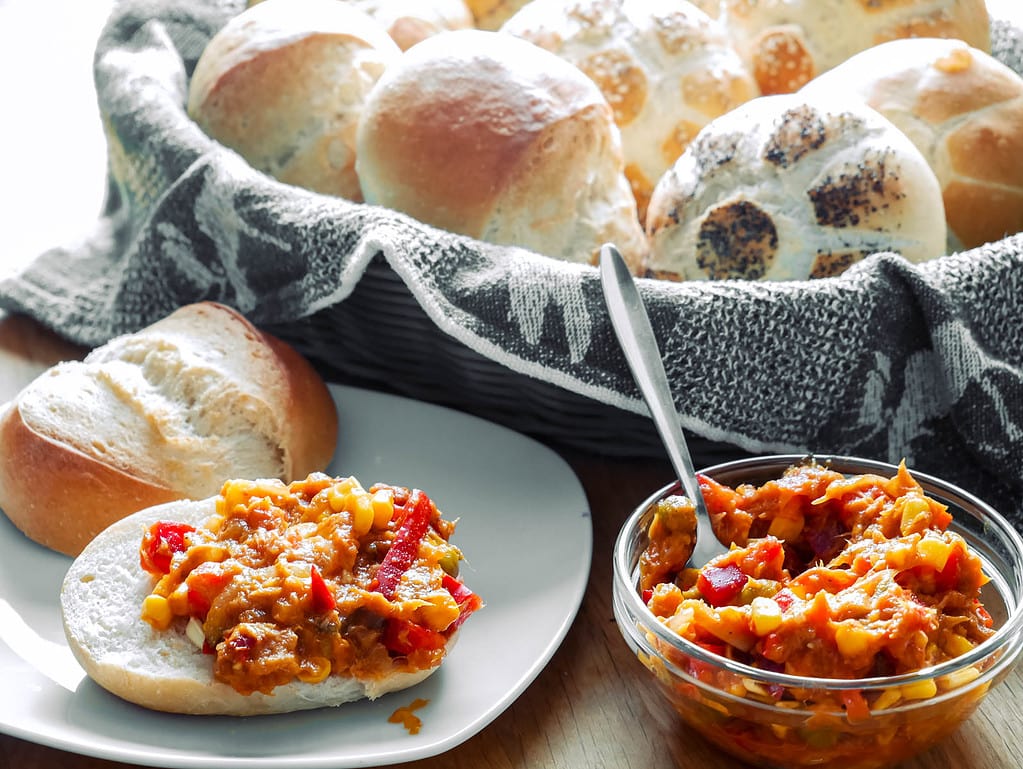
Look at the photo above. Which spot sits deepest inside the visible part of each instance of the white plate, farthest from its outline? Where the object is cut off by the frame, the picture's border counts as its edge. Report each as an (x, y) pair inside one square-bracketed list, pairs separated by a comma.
[(525, 530)]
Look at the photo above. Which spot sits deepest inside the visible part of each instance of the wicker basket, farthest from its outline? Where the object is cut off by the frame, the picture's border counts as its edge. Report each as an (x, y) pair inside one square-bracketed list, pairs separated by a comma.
[(381, 338)]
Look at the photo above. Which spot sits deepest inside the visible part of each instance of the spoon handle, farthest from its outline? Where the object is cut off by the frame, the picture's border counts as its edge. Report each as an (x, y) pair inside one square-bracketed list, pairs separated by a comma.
[(632, 327)]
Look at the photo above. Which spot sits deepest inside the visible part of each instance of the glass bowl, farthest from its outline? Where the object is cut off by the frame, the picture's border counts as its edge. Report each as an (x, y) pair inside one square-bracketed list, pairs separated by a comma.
[(776, 720)]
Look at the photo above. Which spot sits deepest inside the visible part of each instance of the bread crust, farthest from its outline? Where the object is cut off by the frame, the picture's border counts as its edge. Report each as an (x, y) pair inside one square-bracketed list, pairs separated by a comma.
[(61, 482), (964, 111), (489, 136), (790, 187), (101, 599), (60, 497), (283, 84)]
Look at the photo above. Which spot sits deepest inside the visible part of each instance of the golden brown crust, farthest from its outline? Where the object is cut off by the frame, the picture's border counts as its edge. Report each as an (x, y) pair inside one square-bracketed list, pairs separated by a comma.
[(486, 135), (313, 423), (61, 489), (283, 83), (59, 497)]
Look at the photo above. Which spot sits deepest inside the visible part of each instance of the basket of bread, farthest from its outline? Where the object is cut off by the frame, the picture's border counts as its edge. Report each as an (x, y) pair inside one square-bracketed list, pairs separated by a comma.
[(821, 200)]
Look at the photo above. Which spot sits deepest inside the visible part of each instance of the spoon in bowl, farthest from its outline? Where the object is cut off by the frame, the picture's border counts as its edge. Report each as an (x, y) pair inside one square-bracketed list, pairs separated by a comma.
[(636, 337)]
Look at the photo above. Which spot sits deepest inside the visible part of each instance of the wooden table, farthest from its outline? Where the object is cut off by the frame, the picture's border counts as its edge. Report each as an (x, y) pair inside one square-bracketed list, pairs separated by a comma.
[(593, 705)]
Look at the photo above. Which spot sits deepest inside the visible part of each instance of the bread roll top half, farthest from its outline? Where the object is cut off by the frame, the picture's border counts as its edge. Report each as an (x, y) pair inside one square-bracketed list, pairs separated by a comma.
[(664, 66), (169, 412), (787, 187), (964, 111), (787, 43), (490, 136), (283, 84)]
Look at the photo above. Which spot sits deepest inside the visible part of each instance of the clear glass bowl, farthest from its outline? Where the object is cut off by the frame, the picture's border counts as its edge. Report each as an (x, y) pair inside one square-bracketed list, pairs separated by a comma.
[(777, 720)]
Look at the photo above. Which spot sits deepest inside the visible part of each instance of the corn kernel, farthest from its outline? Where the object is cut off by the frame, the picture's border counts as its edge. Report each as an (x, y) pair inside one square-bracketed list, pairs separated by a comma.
[(933, 552), (337, 495), (178, 600), (960, 678), (786, 527), (314, 670), (440, 611), (781, 732), (156, 611), (921, 690), (360, 505), (852, 640), (956, 645), (765, 615), (383, 508), (916, 514), (887, 699)]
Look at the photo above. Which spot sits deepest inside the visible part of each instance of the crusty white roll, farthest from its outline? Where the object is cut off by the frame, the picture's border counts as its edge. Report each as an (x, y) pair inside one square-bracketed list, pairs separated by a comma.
[(490, 136), (409, 21), (664, 66), (491, 14), (789, 188), (101, 600), (786, 43), (166, 413), (964, 111), (283, 84)]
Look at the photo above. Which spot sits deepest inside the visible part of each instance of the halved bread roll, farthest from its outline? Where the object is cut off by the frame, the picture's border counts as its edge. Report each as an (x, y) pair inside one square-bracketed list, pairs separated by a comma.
[(166, 413), (267, 598), (101, 600)]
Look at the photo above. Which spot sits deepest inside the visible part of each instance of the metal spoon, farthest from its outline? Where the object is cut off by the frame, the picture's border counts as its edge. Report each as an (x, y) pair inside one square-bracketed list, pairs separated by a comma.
[(635, 335)]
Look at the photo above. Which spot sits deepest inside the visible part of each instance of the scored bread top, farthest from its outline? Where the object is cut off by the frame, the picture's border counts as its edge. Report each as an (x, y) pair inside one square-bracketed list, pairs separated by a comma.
[(964, 111), (787, 187), (786, 43), (665, 67)]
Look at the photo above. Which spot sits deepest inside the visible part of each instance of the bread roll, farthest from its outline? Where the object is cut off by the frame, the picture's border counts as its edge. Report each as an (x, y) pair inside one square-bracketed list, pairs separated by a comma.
[(490, 136), (268, 597), (409, 21), (283, 84), (491, 14), (663, 65), (101, 600), (964, 111), (168, 412), (786, 43), (790, 188)]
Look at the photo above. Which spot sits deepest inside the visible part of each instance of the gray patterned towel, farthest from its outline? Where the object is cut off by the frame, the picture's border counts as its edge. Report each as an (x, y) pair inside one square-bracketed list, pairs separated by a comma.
[(888, 361)]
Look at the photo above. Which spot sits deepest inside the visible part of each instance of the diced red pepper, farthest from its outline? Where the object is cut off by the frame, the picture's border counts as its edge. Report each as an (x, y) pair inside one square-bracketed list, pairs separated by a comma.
[(159, 544), (719, 585), (948, 578), (405, 548), (203, 586), (322, 598), (856, 707), (403, 637), (467, 601)]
